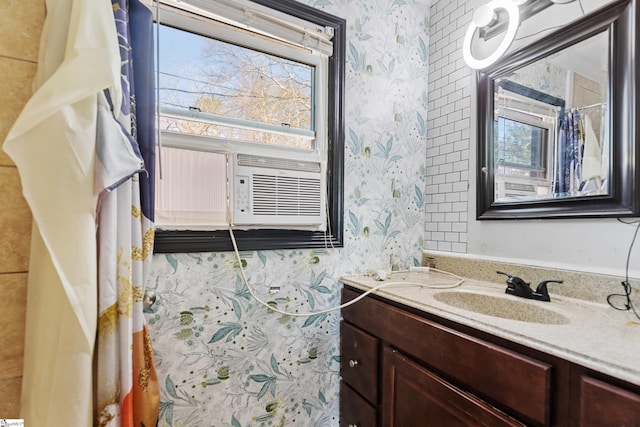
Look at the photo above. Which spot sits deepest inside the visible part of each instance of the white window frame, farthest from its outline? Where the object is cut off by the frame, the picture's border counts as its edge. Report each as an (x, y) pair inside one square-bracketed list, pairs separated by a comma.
[(202, 22), (547, 144)]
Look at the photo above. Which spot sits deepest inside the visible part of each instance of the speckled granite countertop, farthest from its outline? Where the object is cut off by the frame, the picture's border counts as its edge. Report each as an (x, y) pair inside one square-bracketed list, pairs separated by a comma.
[(588, 333)]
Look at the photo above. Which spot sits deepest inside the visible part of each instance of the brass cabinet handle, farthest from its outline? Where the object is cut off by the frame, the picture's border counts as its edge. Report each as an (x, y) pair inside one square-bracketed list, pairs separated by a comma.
[(353, 425), (353, 363)]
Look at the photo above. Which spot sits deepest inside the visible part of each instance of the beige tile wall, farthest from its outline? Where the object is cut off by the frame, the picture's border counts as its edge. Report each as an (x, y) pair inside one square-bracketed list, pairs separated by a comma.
[(20, 26)]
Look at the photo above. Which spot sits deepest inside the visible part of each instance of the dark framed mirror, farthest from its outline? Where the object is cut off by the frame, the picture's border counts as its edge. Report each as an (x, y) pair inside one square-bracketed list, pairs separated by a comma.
[(557, 123)]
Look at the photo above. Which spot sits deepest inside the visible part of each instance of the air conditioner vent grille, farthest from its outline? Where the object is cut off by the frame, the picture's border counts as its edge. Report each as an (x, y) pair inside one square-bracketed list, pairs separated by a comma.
[(286, 196), (277, 163), (519, 187)]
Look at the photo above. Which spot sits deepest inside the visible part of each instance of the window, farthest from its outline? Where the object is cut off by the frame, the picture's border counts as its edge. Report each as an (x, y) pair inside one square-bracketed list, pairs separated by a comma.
[(237, 100), (521, 144), (524, 140)]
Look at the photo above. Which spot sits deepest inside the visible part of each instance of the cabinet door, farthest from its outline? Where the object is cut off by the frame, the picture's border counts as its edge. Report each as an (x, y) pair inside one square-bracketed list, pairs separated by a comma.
[(603, 404), (413, 396), (359, 352), (354, 410)]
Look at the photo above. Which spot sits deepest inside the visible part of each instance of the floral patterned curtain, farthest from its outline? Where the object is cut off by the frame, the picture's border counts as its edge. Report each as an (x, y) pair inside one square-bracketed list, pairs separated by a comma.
[(125, 378)]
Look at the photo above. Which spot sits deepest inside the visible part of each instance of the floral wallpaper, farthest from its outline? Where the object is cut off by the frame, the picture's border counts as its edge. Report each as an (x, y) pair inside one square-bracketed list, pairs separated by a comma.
[(544, 76), (223, 359)]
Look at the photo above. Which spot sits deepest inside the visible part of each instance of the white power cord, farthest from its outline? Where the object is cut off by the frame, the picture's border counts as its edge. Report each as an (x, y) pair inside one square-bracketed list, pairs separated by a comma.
[(353, 301)]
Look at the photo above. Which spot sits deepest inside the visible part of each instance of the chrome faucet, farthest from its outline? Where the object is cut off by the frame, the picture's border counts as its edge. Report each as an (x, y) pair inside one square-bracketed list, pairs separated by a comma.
[(518, 287)]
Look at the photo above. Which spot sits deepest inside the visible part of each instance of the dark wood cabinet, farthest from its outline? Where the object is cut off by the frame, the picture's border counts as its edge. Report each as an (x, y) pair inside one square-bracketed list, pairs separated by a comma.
[(359, 353), (601, 403), (402, 367), (413, 396), (356, 411)]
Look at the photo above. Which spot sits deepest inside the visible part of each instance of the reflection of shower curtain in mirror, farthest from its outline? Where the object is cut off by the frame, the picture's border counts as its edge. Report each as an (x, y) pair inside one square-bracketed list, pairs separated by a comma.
[(595, 162), (568, 176), (591, 158), (579, 162)]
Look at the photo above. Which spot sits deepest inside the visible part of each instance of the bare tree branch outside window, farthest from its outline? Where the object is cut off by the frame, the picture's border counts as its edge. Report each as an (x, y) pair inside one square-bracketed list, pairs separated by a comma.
[(240, 83)]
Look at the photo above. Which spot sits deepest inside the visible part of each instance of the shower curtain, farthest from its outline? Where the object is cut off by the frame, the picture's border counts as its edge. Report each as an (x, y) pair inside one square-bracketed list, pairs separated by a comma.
[(568, 175), (126, 383), (581, 165), (72, 153)]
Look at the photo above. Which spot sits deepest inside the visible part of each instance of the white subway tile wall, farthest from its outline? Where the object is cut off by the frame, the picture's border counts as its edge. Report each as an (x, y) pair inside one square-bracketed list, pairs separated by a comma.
[(449, 122)]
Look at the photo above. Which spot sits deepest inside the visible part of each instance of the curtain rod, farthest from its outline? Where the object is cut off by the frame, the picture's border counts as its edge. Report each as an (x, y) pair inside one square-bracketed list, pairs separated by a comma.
[(598, 104)]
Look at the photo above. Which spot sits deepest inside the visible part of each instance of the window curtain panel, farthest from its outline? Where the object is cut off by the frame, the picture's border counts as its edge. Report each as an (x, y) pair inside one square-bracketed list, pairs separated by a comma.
[(64, 146)]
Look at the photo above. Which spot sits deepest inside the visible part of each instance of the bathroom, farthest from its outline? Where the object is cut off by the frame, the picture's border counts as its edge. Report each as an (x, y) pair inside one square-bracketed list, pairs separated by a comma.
[(409, 186)]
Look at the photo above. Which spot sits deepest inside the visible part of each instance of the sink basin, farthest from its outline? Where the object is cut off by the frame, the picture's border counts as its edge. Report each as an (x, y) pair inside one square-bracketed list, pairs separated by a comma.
[(506, 308)]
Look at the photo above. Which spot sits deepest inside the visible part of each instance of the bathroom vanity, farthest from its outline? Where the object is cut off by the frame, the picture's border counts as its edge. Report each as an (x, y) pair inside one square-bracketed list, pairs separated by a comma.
[(411, 358)]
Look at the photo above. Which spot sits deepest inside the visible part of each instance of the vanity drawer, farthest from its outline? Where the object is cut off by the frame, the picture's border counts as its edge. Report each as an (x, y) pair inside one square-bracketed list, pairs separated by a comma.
[(520, 384), (604, 404), (359, 355), (354, 410), (421, 398)]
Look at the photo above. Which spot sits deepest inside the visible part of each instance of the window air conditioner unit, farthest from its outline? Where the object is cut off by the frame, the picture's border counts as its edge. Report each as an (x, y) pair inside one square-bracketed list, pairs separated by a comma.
[(277, 192), (519, 187)]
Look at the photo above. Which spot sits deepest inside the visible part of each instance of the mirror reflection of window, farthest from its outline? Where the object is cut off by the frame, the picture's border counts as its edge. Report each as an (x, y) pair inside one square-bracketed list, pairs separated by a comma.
[(551, 134), (520, 145), (524, 136)]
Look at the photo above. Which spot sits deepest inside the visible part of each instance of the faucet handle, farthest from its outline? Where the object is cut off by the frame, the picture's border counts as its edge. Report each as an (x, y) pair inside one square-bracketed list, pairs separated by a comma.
[(516, 286), (513, 281), (542, 287), (504, 274)]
